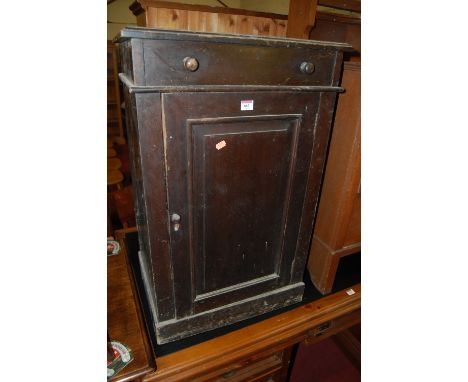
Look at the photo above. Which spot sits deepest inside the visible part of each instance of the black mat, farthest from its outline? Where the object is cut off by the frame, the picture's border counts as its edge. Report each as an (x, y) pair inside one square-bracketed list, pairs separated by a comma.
[(348, 274)]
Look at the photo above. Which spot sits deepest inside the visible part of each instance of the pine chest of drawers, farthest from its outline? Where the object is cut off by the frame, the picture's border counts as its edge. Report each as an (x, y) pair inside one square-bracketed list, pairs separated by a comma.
[(228, 136)]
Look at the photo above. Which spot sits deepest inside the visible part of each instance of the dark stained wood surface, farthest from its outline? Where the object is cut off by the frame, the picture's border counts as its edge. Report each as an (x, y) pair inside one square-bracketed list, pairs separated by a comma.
[(241, 222), (148, 169), (226, 219), (223, 59), (132, 88), (225, 38), (239, 64), (244, 213), (124, 320)]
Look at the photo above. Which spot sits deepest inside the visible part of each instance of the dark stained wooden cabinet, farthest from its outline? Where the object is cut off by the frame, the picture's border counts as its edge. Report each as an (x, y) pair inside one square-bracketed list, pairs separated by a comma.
[(228, 136)]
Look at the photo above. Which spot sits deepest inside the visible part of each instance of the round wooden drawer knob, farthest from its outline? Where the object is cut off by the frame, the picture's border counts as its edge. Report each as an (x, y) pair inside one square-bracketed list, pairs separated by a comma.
[(191, 64), (307, 67)]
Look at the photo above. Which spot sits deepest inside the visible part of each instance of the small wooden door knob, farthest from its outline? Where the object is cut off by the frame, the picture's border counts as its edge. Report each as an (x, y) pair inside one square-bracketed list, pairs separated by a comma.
[(191, 64), (307, 67)]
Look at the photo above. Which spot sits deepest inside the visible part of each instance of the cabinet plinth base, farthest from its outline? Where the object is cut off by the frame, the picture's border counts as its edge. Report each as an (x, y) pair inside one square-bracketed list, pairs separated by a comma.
[(172, 330)]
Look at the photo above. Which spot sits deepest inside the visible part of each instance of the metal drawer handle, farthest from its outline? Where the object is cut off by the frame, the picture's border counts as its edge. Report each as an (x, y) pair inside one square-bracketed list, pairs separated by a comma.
[(319, 330), (229, 374), (307, 67), (191, 64)]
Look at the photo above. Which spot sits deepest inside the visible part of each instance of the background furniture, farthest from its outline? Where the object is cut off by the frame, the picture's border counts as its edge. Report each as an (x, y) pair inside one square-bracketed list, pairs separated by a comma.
[(120, 209), (161, 14), (124, 319), (114, 114), (333, 27), (349, 340), (337, 231), (262, 351)]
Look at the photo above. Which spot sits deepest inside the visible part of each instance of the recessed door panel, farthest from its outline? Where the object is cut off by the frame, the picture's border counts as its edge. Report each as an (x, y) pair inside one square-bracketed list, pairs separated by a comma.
[(242, 174)]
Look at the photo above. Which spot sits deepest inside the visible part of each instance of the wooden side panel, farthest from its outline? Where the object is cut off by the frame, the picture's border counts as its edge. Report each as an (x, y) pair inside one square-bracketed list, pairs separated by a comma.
[(322, 266), (329, 27), (146, 152), (136, 174), (353, 232), (203, 21), (309, 206), (125, 52)]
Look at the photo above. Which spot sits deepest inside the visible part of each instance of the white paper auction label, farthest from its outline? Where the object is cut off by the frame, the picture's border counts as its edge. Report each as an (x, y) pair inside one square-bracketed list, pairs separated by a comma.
[(247, 104)]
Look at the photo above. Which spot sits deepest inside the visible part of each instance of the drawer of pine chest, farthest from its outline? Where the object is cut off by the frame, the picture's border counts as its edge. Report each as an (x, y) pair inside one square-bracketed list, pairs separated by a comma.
[(249, 369), (171, 63), (329, 328)]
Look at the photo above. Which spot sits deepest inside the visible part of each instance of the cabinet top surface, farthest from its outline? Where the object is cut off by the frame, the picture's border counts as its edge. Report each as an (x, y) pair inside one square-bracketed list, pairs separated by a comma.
[(225, 38)]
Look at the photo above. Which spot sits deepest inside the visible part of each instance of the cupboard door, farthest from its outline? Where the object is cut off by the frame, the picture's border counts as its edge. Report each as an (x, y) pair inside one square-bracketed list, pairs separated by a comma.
[(236, 182)]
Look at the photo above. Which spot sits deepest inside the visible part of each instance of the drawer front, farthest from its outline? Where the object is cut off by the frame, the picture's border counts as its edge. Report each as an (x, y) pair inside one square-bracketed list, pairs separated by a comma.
[(234, 64), (250, 369), (270, 377), (334, 326)]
